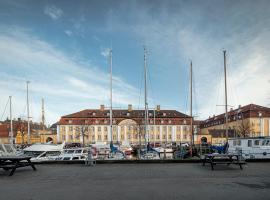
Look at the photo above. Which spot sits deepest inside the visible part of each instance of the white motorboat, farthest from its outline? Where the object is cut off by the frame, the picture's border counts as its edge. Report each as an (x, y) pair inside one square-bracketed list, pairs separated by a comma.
[(165, 152), (102, 150), (75, 154), (43, 152), (126, 148), (149, 155), (8, 150), (251, 147)]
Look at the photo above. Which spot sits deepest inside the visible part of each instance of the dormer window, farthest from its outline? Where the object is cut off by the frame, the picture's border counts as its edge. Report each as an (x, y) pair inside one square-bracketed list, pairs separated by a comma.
[(150, 114), (96, 121), (128, 114), (164, 114), (170, 121), (162, 121), (94, 114), (151, 121), (108, 114), (70, 121), (105, 121)]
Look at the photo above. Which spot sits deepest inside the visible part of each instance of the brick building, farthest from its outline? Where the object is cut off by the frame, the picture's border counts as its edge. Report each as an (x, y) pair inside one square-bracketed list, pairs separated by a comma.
[(38, 134), (248, 121), (93, 125)]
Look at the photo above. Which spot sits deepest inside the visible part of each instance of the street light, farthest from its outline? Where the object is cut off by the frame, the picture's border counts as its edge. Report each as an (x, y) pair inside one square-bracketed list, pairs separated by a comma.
[(260, 116)]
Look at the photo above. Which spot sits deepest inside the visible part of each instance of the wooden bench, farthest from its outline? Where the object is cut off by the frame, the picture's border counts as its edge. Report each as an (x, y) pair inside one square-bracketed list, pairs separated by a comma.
[(228, 159), (13, 162)]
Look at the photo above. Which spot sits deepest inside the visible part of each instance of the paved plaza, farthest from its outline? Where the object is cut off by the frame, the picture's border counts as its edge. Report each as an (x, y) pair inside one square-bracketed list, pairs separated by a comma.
[(137, 181)]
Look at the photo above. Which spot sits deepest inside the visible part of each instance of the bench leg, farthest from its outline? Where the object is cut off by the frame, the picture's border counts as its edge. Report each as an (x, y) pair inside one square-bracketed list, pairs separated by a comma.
[(13, 169), (31, 164), (241, 167), (212, 166)]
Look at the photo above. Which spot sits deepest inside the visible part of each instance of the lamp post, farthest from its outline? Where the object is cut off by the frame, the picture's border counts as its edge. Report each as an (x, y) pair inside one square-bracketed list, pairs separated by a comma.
[(260, 116)]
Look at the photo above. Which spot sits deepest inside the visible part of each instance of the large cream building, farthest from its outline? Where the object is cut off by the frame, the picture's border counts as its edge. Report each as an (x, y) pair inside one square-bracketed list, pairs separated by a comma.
[(91, 126), (247, 121)]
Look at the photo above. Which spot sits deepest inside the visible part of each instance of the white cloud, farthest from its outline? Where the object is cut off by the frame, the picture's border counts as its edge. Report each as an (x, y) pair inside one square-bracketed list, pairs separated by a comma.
[(184, 35), (66, 83), (105, 52), (68, 33), (53, 12)]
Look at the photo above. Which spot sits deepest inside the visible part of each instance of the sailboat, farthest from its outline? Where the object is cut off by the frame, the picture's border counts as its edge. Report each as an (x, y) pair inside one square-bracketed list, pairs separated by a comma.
[(115, 152), (148, 153)]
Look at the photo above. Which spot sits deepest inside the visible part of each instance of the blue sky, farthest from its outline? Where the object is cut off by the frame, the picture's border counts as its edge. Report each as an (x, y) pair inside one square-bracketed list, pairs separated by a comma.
[(61, 47)]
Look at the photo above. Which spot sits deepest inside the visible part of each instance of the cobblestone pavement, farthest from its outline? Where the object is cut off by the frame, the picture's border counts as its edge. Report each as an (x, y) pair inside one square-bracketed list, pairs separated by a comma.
[(137, 181)]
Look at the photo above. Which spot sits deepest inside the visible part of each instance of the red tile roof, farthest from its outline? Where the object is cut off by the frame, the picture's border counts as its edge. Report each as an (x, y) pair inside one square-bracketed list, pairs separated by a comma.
[(248, 111), (98, 116)]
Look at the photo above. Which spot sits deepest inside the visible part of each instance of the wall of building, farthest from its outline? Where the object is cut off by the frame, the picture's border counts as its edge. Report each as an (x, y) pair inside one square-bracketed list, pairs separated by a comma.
[(258, 127), (121, 133)]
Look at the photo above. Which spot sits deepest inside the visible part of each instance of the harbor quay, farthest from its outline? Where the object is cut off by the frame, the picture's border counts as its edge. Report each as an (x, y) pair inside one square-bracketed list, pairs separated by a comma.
[(137, 181)]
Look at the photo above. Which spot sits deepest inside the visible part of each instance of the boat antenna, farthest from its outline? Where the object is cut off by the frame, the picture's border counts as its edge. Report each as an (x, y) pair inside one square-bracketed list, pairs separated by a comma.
[(28, 117), (191, 117), (11, 122), (42, 114)]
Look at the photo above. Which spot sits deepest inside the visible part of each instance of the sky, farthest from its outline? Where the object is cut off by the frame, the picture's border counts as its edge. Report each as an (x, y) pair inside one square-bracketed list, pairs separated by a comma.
[(61, 47)]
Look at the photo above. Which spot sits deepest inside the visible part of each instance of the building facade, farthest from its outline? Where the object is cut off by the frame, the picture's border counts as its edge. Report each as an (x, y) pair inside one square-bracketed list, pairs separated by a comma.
[(93, 125), (247, 121), (38, 134)]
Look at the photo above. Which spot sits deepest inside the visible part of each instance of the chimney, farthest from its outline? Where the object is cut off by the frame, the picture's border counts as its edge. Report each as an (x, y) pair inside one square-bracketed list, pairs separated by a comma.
[(231, 109), (102, 107), (158, 108), (239, 106), (129, 107)]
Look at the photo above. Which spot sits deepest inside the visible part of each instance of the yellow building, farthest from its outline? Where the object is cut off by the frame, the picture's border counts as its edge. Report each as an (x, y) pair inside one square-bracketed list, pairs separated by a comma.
[(37, 133), (40, 136), (92, 126), (247, 121)]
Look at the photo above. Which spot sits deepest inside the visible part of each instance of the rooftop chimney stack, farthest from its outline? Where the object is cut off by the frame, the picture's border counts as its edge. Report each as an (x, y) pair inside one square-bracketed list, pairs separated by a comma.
[(239, 106), (158, 108), (102, 107), (129, 107)]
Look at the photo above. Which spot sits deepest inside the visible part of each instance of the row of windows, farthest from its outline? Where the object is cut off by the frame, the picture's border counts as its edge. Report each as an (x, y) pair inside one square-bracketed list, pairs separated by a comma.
[(129, 128), (129, 136)]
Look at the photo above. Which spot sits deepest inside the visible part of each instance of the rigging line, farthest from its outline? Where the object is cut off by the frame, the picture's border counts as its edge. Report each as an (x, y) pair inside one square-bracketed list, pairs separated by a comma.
[(194, 93), (233, 87), (151, 87), (187, 95), (5, 109), (218, 88), (140, 92)]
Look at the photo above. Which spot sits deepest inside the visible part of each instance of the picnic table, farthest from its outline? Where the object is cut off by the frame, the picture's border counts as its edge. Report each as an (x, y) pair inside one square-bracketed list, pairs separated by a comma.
[(227, 159), (14, 162)]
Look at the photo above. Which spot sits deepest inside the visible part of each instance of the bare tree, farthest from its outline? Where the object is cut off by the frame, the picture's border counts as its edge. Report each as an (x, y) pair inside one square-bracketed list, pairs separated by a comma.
[(244, 129), (82, 131)]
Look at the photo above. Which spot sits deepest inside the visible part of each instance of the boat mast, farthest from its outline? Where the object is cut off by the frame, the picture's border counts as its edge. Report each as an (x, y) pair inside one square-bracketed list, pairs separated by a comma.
[(226, 102), (191, 119), (111, 96), (11, 122), (154, 127), (28, 118), (42, 114), (145, 98)]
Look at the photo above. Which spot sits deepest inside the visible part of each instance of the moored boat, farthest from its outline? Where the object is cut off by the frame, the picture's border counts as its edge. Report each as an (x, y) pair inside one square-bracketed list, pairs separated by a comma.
[(250, 147)]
